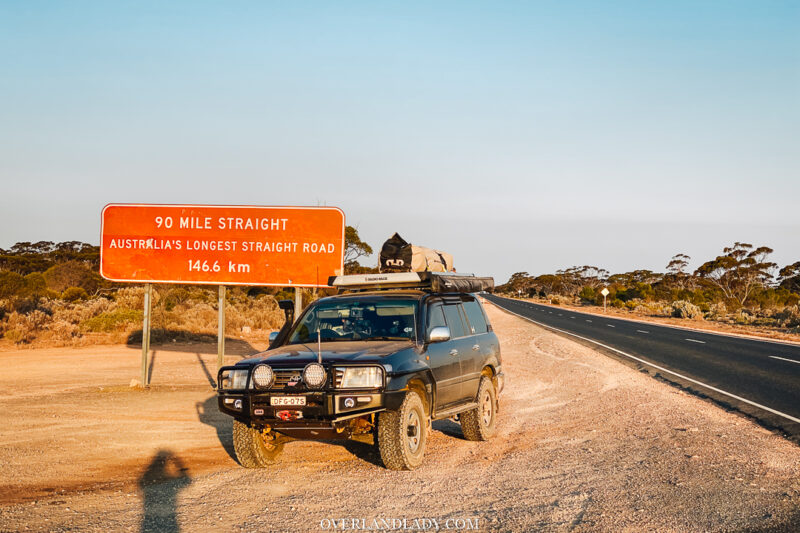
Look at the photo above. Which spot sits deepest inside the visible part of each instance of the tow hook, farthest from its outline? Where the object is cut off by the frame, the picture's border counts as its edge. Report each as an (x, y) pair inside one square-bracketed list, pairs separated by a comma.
[(288, 416)]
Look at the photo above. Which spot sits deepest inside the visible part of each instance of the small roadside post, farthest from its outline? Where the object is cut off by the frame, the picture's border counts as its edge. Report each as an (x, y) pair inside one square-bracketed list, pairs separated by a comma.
[(604, 292)]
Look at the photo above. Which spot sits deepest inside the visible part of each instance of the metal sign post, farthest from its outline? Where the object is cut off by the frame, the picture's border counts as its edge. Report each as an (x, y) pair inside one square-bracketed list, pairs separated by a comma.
[(604, 292), (221, 327), (148, 290)]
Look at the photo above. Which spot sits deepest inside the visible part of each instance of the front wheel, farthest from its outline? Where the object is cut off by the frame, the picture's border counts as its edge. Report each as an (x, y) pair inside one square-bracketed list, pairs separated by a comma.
[(480, 423), (253, 448), (403, 434)]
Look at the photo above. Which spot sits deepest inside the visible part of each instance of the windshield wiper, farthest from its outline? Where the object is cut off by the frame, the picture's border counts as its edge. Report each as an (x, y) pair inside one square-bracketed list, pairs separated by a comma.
[(386, 338)]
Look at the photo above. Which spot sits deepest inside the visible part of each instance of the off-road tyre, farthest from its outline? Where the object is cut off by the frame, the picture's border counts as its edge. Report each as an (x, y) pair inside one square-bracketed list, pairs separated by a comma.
[(403, 434), (253, 448), (480, 423)]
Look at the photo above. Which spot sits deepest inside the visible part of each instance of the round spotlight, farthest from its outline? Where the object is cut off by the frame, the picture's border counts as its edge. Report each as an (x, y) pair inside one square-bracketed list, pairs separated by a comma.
[(314, 375), (263, 376)]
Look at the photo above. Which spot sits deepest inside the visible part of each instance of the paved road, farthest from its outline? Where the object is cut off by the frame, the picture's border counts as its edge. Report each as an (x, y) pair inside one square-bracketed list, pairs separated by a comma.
[(760, 378)]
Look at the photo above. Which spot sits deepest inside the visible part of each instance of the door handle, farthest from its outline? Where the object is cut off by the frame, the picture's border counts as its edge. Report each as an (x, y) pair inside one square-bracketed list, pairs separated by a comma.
[(453, 352), (476, 347)]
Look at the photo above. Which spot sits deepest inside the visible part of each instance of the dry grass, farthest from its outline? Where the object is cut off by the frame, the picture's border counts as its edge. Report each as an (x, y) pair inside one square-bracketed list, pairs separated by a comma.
[(177, 313)]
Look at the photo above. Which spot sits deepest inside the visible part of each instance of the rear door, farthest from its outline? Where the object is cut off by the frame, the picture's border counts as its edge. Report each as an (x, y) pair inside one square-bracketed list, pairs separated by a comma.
[(480, 346)]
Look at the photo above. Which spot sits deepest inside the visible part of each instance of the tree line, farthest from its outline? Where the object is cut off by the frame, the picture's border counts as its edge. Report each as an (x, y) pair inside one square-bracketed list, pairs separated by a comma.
[(741, 277)]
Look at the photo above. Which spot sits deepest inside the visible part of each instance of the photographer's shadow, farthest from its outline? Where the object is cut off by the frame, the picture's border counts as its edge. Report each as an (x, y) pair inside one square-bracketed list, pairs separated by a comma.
[(160, 484)]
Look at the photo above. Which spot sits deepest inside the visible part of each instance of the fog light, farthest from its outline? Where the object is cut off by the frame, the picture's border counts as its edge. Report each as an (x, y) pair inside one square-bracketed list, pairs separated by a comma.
[(263, 376), (237, 404), (349, 403), (314, 375)]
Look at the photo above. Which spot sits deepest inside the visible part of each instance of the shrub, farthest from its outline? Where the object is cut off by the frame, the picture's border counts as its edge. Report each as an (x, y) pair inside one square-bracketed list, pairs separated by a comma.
[(789, 317), (24, 328), (130, 297), (73, 294), (555, 301), (743, 317), (113, 320), (717, 311), (587, 294), (61, 276), (684, 309)]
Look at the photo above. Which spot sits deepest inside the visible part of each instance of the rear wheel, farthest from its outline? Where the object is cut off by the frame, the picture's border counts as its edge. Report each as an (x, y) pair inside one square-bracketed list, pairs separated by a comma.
[(254, 448), (480, 423), (403, 434)]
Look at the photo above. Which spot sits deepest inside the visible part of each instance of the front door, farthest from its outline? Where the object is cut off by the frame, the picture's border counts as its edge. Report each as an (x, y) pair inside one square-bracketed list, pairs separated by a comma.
[(444, 361)]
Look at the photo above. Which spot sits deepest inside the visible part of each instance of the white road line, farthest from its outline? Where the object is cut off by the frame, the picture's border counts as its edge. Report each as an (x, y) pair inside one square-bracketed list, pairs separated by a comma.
[(588, 321), (784, 359), (609, 325), (687, 378), (642, 331), (572, 317), (697, 341)]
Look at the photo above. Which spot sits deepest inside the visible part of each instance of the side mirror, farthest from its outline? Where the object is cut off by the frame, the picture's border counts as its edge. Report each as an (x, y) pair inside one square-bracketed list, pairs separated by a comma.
[(439, 334), (286, 305), (272, 336)]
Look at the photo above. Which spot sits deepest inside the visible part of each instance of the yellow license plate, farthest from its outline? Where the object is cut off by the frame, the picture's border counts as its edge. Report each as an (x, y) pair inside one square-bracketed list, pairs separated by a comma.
[(292, 401)]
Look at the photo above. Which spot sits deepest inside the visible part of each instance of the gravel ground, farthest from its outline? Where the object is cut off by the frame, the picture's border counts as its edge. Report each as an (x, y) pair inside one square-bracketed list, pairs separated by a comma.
[(585, 444)]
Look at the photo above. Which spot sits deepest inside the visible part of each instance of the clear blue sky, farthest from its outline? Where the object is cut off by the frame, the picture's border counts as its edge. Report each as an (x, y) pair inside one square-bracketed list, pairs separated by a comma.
[(515, 135)]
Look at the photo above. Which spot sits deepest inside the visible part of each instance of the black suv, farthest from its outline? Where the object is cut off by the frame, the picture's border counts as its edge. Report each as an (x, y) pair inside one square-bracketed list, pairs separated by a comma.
[(376, 363)]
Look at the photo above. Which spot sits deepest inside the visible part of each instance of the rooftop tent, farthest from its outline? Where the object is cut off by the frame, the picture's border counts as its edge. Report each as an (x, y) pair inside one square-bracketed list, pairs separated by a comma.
[(397, 255)]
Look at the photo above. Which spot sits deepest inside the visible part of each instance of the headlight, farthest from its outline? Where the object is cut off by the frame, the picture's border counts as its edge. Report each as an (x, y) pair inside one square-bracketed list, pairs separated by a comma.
[(314, 375), (263, 376), (360, 377), (233, 379)]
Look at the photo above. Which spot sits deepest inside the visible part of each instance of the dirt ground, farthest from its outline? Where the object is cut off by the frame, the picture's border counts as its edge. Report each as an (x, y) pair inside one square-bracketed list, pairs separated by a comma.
[(585, 444)]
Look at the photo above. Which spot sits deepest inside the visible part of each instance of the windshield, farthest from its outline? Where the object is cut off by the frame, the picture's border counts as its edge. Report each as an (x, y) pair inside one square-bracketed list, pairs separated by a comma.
[(357, 320)]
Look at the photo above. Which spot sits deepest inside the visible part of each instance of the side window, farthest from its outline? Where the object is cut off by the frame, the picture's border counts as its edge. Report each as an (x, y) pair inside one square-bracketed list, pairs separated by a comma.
[(454, 321), (435, 317), (477, 320)]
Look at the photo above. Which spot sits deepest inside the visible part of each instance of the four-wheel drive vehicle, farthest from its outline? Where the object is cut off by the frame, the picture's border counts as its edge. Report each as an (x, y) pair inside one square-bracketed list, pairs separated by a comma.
[(377, 363)]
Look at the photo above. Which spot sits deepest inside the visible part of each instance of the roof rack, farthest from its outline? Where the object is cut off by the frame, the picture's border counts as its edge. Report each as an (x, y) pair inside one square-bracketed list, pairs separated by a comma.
[(430, 281)]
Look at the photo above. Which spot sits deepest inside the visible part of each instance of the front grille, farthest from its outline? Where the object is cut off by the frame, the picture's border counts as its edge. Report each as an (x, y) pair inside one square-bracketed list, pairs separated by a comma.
[(282, 377), (339, 376)]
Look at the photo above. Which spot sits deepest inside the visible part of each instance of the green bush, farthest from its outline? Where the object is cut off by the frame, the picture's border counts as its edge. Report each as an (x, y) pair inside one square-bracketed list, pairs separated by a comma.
[(112, 320), (73, 294), (587, 295)]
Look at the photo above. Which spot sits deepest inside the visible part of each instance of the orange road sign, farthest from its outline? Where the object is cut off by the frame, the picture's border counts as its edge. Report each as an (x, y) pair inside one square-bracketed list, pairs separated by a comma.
[(222, 245)]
